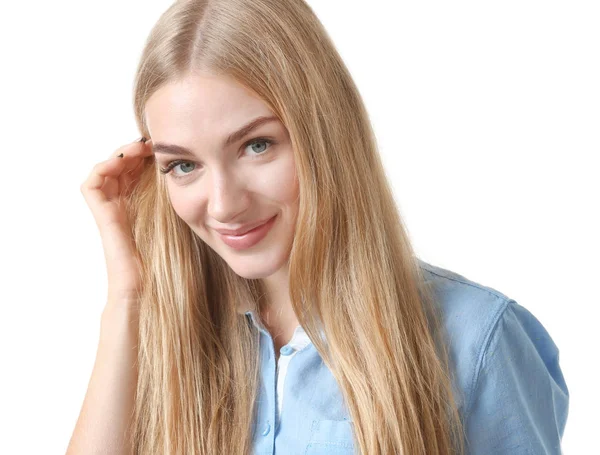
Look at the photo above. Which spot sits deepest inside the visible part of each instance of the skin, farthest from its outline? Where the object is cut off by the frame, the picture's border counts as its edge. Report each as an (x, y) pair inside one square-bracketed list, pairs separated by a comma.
[(229, 186)]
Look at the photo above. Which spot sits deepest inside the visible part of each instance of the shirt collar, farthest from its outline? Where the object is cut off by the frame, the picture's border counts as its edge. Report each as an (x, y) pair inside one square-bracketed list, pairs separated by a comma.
[(300, 338)]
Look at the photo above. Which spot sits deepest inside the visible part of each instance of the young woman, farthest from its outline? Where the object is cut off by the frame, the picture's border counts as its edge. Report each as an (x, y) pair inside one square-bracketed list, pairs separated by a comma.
[(263, 294)]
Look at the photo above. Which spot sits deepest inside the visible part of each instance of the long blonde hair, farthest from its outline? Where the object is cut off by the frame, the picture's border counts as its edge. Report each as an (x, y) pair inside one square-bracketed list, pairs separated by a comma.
[(353, 274)]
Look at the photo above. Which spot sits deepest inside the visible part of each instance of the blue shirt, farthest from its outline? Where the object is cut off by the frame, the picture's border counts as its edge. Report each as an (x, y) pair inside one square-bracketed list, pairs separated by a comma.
[(510, 389)]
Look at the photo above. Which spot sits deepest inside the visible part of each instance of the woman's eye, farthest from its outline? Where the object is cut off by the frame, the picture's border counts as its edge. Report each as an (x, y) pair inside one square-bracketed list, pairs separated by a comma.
[(255, 142), (186, 166)]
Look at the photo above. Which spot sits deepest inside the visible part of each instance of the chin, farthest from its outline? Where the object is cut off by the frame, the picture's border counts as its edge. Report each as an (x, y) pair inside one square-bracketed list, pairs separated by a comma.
[(250, 275), (256, 266), (255, 272)]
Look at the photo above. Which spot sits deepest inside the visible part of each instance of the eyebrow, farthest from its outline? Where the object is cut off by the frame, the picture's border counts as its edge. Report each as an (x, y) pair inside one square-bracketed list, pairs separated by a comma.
[(172, 149)]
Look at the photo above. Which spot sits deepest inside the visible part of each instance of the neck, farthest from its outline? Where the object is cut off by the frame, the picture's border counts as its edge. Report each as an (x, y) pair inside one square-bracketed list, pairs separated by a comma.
[(277, 313)]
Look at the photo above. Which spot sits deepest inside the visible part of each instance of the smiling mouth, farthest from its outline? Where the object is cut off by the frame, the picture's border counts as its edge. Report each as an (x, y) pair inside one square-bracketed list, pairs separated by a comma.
[(241, 231), (249, 238)]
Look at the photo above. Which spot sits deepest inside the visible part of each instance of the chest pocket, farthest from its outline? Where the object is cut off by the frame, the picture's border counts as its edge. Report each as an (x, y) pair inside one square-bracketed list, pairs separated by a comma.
[(331, 437)]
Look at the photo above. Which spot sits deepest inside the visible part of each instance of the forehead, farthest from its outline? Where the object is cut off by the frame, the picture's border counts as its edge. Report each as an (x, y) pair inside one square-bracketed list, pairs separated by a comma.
[(201, 105)]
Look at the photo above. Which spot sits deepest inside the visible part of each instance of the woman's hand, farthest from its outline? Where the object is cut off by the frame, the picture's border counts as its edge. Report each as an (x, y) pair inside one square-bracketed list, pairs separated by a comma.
[(106, 190)]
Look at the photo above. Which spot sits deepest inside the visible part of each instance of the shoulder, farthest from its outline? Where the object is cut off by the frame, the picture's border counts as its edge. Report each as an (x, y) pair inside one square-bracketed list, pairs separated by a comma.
[(475, 318), (450, 285), (506, 366), (469, 311)]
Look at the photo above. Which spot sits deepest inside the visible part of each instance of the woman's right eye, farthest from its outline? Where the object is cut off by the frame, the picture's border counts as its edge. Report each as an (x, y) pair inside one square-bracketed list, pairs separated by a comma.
[(186, 167)]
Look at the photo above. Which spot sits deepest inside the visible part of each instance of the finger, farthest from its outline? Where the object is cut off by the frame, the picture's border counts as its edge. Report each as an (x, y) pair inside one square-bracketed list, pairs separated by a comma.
[(138, 164), (134, 149), (125, 158), (133, 157), (120, 161), (125, 183), (110, 168)]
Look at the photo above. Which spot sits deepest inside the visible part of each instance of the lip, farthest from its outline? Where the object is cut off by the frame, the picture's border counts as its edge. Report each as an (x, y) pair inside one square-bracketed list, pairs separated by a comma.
[(250, 237), (243, 229)]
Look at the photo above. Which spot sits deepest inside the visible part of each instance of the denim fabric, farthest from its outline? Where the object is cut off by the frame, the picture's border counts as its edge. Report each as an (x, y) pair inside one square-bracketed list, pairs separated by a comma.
[(510, 389)]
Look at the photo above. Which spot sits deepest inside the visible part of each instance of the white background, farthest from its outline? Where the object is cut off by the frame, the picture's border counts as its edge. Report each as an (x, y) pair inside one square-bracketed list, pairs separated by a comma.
[(487, 115)]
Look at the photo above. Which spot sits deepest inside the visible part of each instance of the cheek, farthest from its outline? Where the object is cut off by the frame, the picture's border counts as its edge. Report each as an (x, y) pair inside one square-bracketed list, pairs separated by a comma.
[(280, 183), (185, 206)]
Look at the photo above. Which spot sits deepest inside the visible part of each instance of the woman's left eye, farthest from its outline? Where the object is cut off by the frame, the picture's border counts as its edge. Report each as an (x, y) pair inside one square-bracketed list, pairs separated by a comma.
[(259, 141)]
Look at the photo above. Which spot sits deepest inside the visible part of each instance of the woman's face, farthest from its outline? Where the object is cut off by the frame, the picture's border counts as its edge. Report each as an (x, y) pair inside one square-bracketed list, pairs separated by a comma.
[(222, 180)]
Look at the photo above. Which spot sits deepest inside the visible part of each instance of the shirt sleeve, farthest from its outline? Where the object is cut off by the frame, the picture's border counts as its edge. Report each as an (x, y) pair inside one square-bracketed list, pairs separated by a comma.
[(520, 401)]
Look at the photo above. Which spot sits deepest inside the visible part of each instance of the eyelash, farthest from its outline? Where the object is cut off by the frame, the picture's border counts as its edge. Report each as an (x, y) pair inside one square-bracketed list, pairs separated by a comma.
[(172, 164)]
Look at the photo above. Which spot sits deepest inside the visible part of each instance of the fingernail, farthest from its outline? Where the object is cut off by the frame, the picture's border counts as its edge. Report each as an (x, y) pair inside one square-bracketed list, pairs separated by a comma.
[(120, 156)]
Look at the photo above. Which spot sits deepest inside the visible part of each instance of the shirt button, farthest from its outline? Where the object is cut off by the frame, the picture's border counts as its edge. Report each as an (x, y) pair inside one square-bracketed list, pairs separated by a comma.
[(267, 429), (286, 350)]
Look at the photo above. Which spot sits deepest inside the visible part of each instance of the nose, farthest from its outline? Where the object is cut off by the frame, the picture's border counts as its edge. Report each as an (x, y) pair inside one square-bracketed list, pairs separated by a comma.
[(228, 196)]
